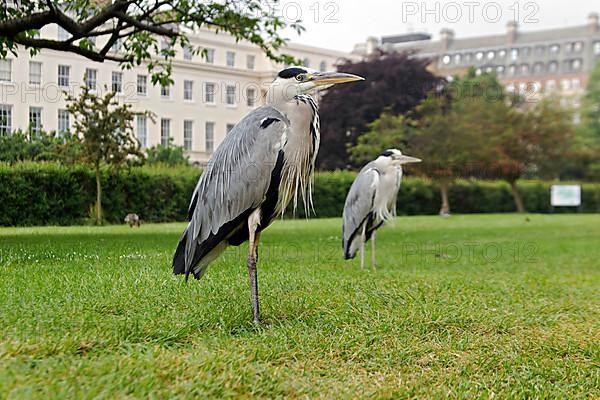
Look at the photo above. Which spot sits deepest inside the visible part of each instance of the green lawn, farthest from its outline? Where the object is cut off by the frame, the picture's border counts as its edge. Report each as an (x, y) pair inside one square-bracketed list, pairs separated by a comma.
[(501, 306)]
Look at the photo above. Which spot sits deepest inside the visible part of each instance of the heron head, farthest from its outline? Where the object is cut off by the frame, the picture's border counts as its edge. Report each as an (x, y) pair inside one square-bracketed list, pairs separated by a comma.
[(298, 80), (396, 158)]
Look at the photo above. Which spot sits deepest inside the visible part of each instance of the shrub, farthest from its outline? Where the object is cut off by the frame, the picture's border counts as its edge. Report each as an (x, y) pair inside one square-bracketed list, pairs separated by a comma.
[(54, 194)]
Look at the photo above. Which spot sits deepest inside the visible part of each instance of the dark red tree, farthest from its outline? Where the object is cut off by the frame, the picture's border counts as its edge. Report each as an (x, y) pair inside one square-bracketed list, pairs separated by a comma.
[(395, 81)]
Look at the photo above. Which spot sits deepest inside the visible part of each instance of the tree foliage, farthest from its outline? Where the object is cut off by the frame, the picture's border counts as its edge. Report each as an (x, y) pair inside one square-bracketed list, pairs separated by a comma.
[(168, 155), (142, 26), (473, 129), (396, 82), (44, 146), (105, 131)]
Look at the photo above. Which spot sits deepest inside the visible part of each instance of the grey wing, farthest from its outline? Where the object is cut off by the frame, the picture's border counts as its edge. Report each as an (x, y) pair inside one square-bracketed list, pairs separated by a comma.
[(235, 182), (359, 204)]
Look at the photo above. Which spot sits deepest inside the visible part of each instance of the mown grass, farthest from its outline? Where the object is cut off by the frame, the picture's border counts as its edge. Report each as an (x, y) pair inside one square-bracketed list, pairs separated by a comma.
[(501, 306)]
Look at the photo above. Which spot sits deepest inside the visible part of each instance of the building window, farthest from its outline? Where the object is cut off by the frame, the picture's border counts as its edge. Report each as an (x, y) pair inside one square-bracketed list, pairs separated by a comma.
[(142, 130), (479, 56), (489, 70), (187, 53), (514, 54), (64, 75), (230, 95), (5, 119), (524, 69), (491, 55), (231, 59), (91, 76), (323, 66), (250, 61), (188, 90), (35, 73), (468, 57), (229, 127), (35, 120), (500, 70), (64, 123), (250, 97), (165, 92), (63, 34), (553, 67), (188, 132), (576, 65), (512, 70), (446, 59), (210, 56), (142, 85), (577, 47), (306, 63), (526, 51), (209, 93), (117, 82), (576, 84), (597, 48), (457, 59), (565, 84), (555, 49), (540, 51), (5, 70), (209, 137), (551, 85), (502, 53), (478, 72), (538, 68), (165, 131)]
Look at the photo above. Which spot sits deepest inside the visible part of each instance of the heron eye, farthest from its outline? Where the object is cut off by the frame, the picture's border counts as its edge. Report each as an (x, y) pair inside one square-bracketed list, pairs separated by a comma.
[(300, 78)]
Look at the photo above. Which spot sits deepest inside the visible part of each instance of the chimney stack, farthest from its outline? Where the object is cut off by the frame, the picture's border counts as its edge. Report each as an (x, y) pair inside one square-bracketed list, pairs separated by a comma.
[(372, 45), (446, 36), (593, 22), (512, 30)]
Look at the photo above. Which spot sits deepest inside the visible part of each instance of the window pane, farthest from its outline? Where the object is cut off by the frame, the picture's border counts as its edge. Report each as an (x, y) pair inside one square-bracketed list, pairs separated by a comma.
[(250, 61), (142, 129), (142, 85), (63, 121), (5, 119), (35, 120), (209, 137), (188, 90), (209, 93), (188, 129), (117, 82), (210, 56), (90, 78), (230, 95), (64, 72), (165, 131), (35, 73), (230, 59), (5, 70)]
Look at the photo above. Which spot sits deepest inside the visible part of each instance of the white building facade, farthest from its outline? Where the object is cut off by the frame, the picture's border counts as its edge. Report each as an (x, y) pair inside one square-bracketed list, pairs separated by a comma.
[(208, 97)]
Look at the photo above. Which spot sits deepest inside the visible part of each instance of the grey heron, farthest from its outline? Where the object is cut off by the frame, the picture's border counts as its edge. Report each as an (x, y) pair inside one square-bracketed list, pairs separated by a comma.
[(371, 202), (264, 162)]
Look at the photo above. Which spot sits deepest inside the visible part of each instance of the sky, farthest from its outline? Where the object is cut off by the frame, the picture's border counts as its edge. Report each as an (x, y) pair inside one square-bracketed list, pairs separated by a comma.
[(339, 24)]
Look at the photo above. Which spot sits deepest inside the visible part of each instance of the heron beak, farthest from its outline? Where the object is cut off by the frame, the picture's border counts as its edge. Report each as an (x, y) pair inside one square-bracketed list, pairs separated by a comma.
[(333, 78), (407, 159)]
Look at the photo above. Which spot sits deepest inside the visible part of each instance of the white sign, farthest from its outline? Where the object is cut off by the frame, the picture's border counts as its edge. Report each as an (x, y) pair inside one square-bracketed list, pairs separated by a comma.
[(566, 196)]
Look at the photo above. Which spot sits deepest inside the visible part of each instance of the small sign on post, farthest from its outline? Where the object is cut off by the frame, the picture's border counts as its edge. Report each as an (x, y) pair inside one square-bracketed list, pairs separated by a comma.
[(566, 196)]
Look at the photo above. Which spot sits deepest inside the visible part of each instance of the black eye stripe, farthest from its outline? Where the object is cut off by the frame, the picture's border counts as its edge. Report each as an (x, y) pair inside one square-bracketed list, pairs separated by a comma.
[(387, 153), (291, 72)]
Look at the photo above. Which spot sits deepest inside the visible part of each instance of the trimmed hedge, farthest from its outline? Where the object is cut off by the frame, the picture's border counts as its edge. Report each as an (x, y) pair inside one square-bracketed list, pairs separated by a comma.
[(53, 194)]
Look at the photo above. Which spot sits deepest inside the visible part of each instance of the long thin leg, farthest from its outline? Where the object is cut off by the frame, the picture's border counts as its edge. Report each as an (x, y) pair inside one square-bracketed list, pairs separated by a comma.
[(363, 238), (254, 239), (373, 259)]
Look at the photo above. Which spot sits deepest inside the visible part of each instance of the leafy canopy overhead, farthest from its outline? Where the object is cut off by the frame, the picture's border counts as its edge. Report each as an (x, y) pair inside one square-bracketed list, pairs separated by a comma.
[(142, 29)]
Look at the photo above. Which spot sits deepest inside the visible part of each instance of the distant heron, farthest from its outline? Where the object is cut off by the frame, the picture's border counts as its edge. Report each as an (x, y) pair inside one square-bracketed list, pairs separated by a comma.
[(263, 163), (371, 202)]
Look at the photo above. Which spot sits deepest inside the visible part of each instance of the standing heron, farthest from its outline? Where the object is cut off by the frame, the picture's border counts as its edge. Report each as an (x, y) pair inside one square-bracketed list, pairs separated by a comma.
[(263, 163), (372, 201)]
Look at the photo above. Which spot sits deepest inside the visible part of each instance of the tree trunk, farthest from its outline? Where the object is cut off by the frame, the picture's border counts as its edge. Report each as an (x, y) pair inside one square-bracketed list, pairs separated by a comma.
[(98, 197), (445, 210), (517, 197)]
